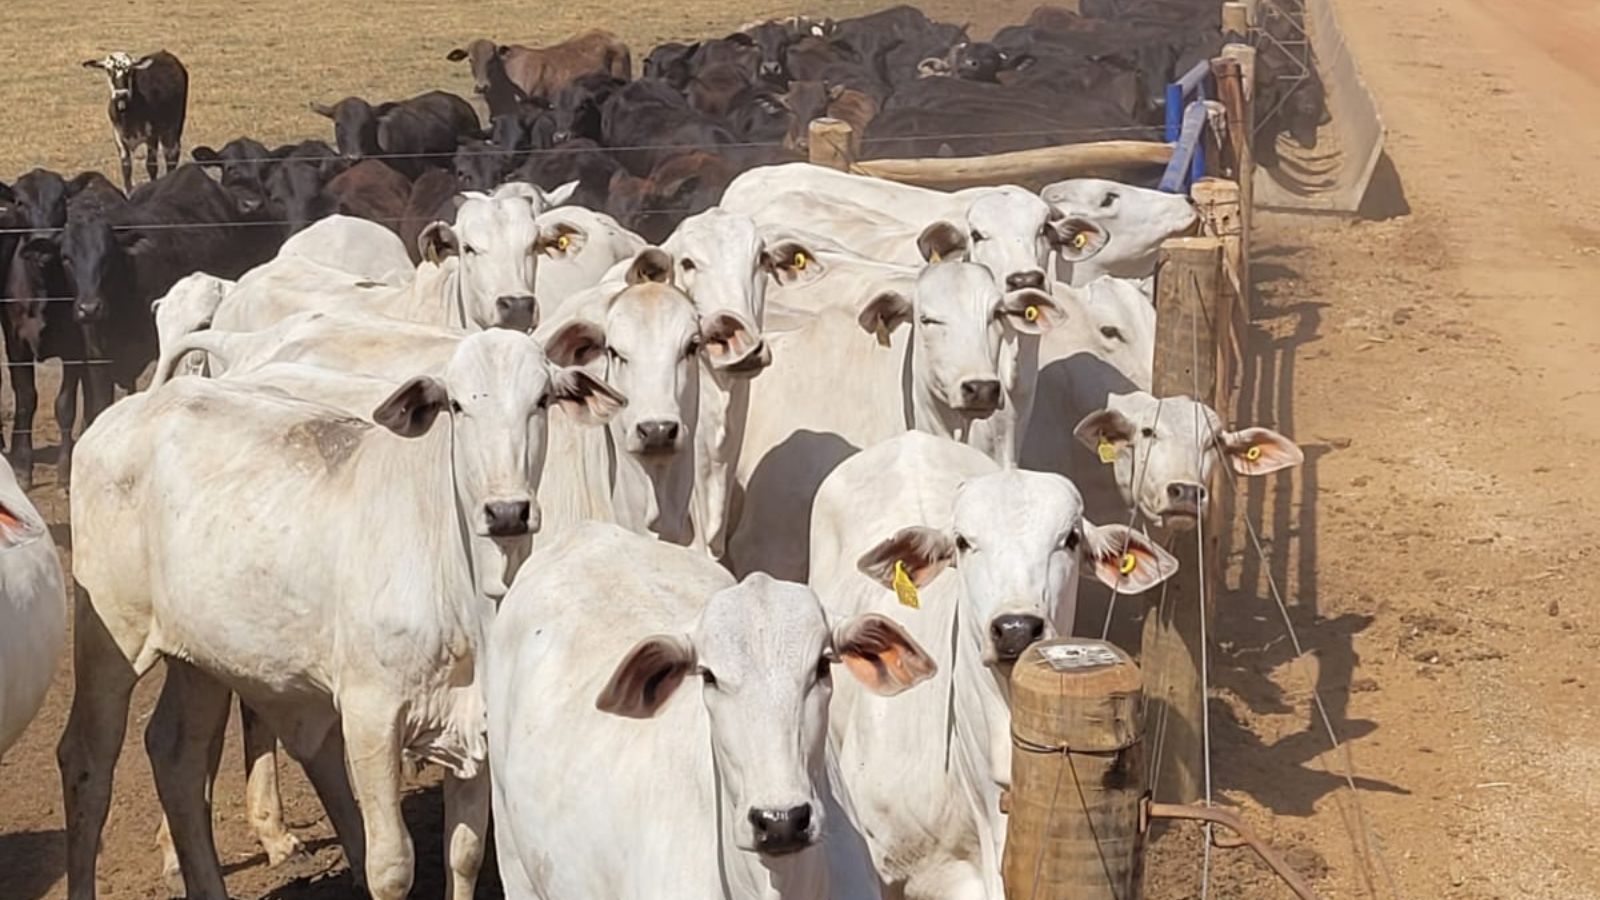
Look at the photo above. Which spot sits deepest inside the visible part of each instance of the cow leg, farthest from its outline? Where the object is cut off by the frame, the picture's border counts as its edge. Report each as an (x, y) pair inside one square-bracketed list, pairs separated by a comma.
[(152, 157), (184, 741), (67, 419), (331, 780), (262, 799), (371, 725), (174, 153), (103, 680), (466, 823), (125, 156), (25, 390)]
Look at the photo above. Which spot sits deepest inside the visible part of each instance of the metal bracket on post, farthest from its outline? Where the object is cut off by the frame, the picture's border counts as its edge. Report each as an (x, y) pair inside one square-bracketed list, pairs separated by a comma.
[(1246, 838)]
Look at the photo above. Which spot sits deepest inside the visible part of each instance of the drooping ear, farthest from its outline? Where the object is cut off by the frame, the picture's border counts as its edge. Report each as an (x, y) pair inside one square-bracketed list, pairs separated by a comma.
[(652, 265), (1260, 451), (437, 241), (133, 242), (1075, 238), (881, 655), (38, 250), (942, 242), (561, 194), (1030, 312), (647, 676), (1124, 559), (456, 55), (562, 239), (733, 343), (411, 409), (790, 262), (1107, 425), (577, 343), (321, 109), (884, 313), (205, 156), (922, 550), (144, 63), (584, 397), (835, 91)]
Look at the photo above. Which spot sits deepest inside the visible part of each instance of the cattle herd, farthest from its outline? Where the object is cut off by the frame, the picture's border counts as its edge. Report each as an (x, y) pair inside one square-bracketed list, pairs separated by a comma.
[(576, 454)]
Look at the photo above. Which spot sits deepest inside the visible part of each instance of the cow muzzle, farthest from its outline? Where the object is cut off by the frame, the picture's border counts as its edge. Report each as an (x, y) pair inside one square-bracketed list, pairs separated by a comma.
[(518, 313), (782, 831), (1014, 633), (88, 310), (510, 518), (1023, 281), (656, 437), (980, 397), (1184, 500)]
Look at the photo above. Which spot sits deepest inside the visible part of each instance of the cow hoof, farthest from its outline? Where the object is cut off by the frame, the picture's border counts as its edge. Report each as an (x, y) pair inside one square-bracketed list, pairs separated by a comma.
[(282, 849)]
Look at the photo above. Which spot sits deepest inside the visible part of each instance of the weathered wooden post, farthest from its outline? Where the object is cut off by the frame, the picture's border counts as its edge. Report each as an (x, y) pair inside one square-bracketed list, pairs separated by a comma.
[(1189, 279), (1221, 216), (1235, 18), (1077, 774), (1238, 94), (832, 144)]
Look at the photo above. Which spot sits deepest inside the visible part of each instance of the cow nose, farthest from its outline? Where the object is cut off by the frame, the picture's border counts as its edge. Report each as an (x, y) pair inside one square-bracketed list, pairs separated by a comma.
[(770, 68), (86, 311), (520, 312), (780, 831), (508, 518), (1017, 281), (1014, 633), (657, 436), (1185, 496), (560, 137), (980, 395)]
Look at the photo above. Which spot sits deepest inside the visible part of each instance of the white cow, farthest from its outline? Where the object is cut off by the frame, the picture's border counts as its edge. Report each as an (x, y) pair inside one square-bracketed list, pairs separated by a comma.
[(594, 244), (846, 378), (612, 779), (478, 273), (349, 244), (916, 206), (1135, 221), (1165, 451), (33, 609), (925, 775), (330, 572), (186, 308)]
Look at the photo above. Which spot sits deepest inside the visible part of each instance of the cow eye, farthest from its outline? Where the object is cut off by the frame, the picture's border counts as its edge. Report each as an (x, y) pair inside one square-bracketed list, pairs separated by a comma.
[(824, 668), (691, 348), (686, 264), (616, 357), (1148, 432), (544, 401), (962, 544), (977, 236), (1108, 199), (928, 320), (455, 408), (1070, 542), (707, 677), (1111, 332), (469, 250)]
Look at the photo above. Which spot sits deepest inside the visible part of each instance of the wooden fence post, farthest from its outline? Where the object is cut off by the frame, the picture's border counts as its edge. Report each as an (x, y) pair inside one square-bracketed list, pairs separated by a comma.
[(1235, 18), (1189, 278), (832, 144), (1218, 202), (1241, 130)]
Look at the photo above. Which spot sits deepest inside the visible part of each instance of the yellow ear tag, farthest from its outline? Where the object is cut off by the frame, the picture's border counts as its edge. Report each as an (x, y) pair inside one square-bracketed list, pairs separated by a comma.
[(1031, 313), (934, 257), (1080, 240), (905, 590), (882, 332), (1253, 454), (1107, 451), (563, 242), (799, 262), (1129, 563)]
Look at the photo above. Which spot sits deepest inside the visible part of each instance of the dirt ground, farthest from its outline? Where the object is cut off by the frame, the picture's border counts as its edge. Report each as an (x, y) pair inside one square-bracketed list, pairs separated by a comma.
[(1436, 362)]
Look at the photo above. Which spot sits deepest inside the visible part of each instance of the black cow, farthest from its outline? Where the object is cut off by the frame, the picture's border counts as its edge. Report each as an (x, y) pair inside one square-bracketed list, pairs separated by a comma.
[(409, 135), (772, 40), (149, 101), (577, 112), (648, 121), (122, 255), (481, 165), (432, 199), (679, 187), (242, 166), (580, 160), (954, 117), (671, 62), (296, 180), (896, 40)]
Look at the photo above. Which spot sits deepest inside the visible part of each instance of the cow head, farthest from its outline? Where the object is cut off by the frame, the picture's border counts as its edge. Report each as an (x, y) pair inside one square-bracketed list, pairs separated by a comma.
[(355, 127), (478, 53), (496, 245), (1018, 542), (764, 652), (99, 260), (496, 392), (295, 181), (577, 105), (723, 264), (1164, 453), (958, 320), (772, 40), (1012, 233), (1131, 223), (119, 68)]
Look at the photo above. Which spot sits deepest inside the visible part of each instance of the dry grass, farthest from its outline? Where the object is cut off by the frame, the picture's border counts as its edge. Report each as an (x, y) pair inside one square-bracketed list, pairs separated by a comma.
[(255, 64)]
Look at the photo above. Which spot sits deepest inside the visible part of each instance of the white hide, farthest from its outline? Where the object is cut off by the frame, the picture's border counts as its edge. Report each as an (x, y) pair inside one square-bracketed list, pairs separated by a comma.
[(1135, 220), (996, 556), (595, 243), (186, 308), (645, 712), (33, 609), (353, 245)]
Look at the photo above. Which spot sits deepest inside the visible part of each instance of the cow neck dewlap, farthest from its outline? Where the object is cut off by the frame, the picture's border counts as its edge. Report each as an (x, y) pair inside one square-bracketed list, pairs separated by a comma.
[(653, 498)]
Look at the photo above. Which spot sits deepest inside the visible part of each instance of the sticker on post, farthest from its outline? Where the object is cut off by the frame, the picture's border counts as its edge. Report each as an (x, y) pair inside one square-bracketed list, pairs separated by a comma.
[(1069, 657)]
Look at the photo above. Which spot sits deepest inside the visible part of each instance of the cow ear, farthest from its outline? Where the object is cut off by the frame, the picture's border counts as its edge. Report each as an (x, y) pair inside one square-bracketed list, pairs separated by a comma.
[(647, 676), (456, 55), (563, 239), (321, 109), (437, 241), (733, 343), (411, 409), (790, 262), (144, 63), (576, 343), (1030, 311), (881, 655), (584, 397), (93, 64), (653, 265), (884, 313), (1260, 451), (133, 242), (942, 242), (501, 50), (835, 91), (1124, 559), (922, 551), (1075, 238), (1106, 426), (561, 194), (205, 156)]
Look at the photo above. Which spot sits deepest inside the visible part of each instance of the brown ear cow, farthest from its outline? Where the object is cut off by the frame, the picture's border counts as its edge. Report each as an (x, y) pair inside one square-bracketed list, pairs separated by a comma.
[(538, 72)]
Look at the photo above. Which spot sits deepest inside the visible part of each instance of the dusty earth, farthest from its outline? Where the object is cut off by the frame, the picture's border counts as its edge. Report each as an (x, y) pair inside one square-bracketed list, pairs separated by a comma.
[(1435, 358)]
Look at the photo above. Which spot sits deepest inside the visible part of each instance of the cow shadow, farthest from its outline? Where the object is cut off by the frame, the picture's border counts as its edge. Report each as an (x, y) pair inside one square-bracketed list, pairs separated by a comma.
[(31, 863)]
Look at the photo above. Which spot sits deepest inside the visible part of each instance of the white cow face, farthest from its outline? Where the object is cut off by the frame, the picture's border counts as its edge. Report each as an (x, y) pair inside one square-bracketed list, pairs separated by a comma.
[(724, 266), (119, 68), (959, 318), (1012, 233), (651, 342), (1017, 540), (1166, 451), (497, 390), (765, 655), (1135, 220), (1115, 319), (498, 245)]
